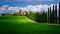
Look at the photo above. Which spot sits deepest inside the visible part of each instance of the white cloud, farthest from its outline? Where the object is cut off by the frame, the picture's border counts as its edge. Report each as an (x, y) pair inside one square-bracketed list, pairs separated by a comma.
[(46, 7), (13, 9), (5, 6), (57, 9), (39, 8), (4, 9), (57, 5), (10, 8)]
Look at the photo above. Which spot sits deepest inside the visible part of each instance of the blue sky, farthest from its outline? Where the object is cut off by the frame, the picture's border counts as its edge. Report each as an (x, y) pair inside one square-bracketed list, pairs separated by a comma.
[(24, 3), (12, 6)]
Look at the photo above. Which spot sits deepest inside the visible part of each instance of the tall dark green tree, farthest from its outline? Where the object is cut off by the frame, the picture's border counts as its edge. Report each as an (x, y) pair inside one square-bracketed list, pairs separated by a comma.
[(38, 18), (50, 15), (46, 17), (55, 14), (48, 20), (59, 13)]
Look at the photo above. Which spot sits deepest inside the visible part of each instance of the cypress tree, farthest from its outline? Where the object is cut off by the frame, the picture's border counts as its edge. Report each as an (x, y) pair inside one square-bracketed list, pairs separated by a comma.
[(48, 16), (55, 13), (59, 13)]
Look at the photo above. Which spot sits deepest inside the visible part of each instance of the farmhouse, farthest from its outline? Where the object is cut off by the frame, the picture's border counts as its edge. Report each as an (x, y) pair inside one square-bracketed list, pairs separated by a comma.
[(23, 12)]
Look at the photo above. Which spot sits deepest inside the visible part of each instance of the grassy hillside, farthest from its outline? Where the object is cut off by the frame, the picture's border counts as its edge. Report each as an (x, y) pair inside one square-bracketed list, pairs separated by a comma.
[(21, 25)]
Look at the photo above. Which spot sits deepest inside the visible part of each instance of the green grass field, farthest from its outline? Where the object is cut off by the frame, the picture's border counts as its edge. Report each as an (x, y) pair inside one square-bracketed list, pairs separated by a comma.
[(21, 25)]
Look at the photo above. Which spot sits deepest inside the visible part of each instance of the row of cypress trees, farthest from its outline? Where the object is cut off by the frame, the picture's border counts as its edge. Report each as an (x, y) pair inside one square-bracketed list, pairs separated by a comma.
[(52, 15), (46, 17)]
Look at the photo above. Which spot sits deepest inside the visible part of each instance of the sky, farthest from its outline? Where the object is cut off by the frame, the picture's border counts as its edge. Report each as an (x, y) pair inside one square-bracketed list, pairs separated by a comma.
[(23, 3), (12, 6)]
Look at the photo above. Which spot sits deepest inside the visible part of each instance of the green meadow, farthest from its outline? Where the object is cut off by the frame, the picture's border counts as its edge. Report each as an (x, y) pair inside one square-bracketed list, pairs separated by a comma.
[(21, 25)]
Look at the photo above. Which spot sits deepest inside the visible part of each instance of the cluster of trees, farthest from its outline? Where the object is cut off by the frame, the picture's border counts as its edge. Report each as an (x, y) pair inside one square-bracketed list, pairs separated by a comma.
[(45, 17), (39, 17), (7, 14), (31, 15), (15, 14)]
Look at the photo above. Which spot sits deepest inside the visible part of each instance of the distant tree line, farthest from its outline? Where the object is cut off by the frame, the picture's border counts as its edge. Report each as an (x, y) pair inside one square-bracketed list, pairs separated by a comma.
[(20, 13), (46, 17)]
